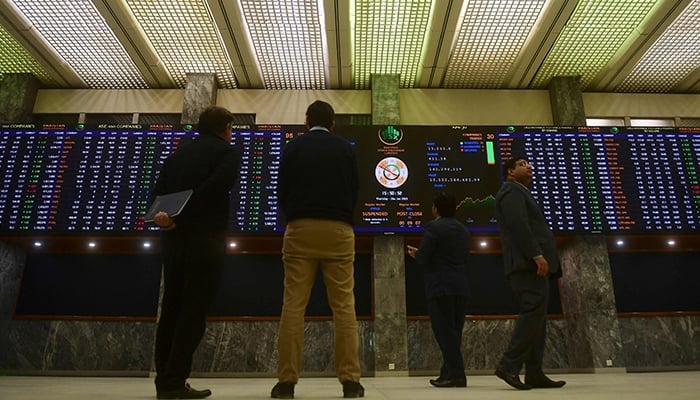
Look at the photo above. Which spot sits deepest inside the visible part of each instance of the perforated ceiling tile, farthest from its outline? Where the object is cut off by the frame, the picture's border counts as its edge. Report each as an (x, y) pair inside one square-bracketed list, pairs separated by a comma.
[(79, 34), (389, 38)]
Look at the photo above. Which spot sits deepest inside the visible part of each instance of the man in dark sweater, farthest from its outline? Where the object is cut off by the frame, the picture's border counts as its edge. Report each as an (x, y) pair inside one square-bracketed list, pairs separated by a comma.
[(318, 186)]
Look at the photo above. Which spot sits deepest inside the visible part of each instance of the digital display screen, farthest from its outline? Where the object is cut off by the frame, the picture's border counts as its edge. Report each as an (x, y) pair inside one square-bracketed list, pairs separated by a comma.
[(402, 168), (592, 179), (59, 179)]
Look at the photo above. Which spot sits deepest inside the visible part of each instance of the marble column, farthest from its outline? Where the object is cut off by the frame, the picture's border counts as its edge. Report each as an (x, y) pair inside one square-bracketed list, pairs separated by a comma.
[(390, 330), (588, 300), (17, 97), (566, 101), (200, 93), (588, 296)]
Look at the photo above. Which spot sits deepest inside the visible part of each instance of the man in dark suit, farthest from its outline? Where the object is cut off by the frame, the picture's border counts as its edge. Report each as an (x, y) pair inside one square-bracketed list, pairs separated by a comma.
[(318, 189), (193, 247), (443, 254), (530, 259)]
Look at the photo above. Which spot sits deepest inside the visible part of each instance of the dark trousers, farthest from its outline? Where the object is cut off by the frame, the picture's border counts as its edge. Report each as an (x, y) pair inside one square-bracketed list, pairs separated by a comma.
[(527, 343), (447, 320), (192, 267)]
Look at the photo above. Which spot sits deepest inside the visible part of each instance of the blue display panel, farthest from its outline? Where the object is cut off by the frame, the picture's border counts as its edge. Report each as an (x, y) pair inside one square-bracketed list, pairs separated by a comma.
[(591, 179), (97, 179)]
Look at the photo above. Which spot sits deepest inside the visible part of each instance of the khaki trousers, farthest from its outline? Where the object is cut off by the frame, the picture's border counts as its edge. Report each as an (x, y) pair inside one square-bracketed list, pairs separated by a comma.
[(309, 244)]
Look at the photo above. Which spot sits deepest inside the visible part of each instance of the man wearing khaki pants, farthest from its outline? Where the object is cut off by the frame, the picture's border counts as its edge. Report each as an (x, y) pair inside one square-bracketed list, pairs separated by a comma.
[(318, 183)]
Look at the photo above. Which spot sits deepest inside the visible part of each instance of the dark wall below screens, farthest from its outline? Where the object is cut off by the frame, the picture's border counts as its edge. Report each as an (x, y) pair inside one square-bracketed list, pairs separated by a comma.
[(253, 285), (656, 282), (90, 285), (490, 292), (126, 285)]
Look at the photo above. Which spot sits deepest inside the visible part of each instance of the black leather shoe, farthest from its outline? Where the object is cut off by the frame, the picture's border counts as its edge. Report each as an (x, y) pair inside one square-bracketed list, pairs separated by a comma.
[(283, 390), (186, 392), (512, 379), (353, 390), (443, 383), (543, 382)]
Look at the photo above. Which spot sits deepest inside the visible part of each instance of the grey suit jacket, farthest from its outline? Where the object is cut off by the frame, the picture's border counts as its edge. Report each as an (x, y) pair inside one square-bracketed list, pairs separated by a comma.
[(524, 230)]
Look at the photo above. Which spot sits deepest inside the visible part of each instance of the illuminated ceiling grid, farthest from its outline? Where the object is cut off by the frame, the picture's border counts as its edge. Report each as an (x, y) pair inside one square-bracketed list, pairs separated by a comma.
[(185, 38), (16, 60), (672, 57), (288, 40), (490, 38), (77, 32), (580, 48), (388, 39)]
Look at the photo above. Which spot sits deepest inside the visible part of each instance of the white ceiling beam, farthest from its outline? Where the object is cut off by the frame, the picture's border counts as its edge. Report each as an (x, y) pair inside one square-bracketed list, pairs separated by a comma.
[(126, 29), (438, 44), (691, 83), (232, 25), (339, 40), (621, 65), (33, 42), (549, 25)]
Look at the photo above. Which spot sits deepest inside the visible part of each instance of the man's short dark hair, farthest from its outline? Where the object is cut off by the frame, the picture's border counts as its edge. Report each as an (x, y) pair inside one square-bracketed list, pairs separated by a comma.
[(510, 164), (320, 113), (213, 120), (446, 204)]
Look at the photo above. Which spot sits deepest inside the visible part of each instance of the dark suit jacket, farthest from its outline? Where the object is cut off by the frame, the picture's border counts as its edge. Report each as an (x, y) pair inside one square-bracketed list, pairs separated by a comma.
[(318, 177), (443, 254), (209, 166), (524, 230)]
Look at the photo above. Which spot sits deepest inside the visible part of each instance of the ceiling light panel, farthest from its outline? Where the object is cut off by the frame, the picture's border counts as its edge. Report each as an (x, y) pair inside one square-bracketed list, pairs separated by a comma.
[(185, 37), (488, 41), (671, 58), (591, 37), (16, 60), (288, 37), (389, 36), (79, 34)]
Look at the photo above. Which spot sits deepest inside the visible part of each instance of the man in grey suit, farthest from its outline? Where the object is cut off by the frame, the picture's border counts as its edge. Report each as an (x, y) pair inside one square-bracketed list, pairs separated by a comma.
[(530, 259)]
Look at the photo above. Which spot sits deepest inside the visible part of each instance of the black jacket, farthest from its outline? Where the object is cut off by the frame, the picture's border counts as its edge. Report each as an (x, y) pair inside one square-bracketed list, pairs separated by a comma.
[(443, 254), (524, 230), (209, 166)]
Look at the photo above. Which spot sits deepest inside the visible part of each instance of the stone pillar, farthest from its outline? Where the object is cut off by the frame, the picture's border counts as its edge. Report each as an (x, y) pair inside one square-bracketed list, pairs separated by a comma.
[(390, 331), (566, 101), (200, 93), (588, 296), (588, 300), (17, 97)]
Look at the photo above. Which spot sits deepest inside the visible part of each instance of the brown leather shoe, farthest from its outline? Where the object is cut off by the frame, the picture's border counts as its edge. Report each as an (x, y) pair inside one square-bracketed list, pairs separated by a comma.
[(353, 389), (283, 390)]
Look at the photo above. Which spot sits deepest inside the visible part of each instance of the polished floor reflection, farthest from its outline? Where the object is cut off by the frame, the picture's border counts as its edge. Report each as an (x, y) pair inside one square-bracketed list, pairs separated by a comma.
[(612, 386)]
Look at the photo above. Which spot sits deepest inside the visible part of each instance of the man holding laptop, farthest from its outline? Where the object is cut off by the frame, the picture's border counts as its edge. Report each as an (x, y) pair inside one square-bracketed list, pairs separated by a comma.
[(193, 246)]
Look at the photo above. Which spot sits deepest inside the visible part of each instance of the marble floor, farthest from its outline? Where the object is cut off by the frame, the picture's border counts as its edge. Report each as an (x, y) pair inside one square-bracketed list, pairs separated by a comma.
[(613, 386)]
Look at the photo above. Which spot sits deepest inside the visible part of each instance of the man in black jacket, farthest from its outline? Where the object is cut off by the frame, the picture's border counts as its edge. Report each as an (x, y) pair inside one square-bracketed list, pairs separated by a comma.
[(193, 247), (530, 259), (443, 254), (317, 191)]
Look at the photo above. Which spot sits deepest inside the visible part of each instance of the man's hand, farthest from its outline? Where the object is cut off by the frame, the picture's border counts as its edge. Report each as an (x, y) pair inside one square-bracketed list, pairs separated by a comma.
[(164, 221), (542, 265), (411, 250)]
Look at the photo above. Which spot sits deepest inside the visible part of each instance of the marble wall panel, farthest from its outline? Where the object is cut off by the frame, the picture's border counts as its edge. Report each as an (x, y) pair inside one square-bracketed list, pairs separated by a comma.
[(483, 342), (652, 343)]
